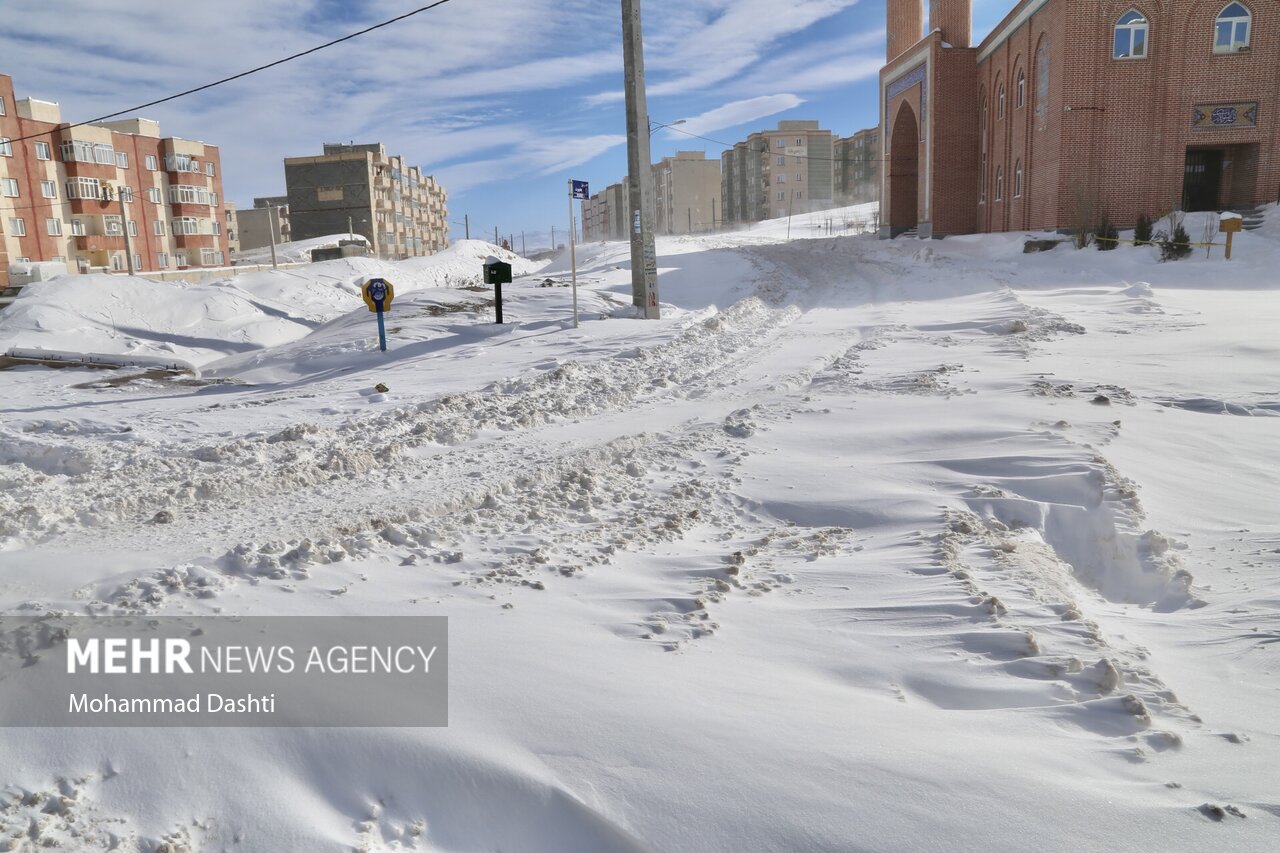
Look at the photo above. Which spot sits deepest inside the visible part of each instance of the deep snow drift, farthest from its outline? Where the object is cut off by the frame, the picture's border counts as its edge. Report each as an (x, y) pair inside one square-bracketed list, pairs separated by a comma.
[(883, 545)]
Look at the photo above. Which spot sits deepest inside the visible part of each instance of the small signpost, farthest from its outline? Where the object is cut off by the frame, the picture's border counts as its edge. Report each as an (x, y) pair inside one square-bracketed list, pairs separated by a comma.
[(580, 191), (1230, 224), (497, 273), (378, 293)]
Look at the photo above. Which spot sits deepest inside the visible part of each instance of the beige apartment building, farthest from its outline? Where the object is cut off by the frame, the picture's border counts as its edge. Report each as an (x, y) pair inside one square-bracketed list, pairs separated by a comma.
[(268, 218), (686, 192), (399, 210), (857, 167), (104, 197), (776, 173)]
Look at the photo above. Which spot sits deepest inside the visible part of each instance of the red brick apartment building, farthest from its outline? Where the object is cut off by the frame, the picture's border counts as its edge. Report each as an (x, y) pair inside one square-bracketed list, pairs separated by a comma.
[(164, 193), (1127, 107)]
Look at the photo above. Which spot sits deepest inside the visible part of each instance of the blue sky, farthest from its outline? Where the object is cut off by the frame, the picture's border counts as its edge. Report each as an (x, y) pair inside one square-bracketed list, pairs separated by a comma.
[(502, 101)]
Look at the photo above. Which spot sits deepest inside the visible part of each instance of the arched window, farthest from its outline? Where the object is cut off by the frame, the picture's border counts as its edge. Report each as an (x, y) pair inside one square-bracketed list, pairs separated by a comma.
[(1232, 29), (1020, 91), (1017, 179), (1042, 83), (1000, 102), (982, 141), (1131, 36), (999, 183)]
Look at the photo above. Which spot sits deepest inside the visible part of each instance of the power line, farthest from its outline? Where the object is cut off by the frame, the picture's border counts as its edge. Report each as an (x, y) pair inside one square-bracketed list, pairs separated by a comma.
[(242, 74)]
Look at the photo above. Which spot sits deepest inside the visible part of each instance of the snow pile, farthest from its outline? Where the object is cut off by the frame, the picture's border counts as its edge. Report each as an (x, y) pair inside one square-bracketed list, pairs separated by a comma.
[(296, 251), (136, 316)]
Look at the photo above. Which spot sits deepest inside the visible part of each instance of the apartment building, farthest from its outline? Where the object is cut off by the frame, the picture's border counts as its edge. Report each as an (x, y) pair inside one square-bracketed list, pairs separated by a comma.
[(686, 192), (857, 167), (775, 173), (105, 196), (269, 216), (399, 210)]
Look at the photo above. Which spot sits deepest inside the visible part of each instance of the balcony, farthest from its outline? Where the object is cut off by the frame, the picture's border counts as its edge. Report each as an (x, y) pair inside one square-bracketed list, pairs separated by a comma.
[(100, 243), (195, 241), (188, 208)]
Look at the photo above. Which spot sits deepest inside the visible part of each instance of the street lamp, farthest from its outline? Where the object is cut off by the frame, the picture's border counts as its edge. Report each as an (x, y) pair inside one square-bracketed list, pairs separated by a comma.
[(655, 125)]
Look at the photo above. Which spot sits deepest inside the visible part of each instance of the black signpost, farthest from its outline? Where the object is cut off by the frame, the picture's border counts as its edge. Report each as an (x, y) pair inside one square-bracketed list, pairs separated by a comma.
[(497, 273)]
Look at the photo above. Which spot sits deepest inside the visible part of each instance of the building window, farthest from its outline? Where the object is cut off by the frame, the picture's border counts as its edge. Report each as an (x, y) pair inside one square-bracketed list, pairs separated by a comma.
[(1017, 179), (18, 227), (74, 151), (208, 169), (1231, 32), (999, 183), (6, 147), (1000, 102), (54, 227), (49, 189), (180, 163), (126, 193), (1, 105), (137, 262), (84, 188), (122, 160), (112, 226), (77, 228), (1020, 91), (782, 160), (780, 179), (157, 228), (186, 225), (117, 262), (152, 163), (162, 260), (9, 187), (43, 152), (133, 228), (103, 153), (1131, 36), (154, 195), (781, 143)]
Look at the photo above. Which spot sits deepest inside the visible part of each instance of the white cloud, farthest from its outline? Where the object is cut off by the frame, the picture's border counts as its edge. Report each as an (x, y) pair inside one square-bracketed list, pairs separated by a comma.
[(736, 113), (535, 155)]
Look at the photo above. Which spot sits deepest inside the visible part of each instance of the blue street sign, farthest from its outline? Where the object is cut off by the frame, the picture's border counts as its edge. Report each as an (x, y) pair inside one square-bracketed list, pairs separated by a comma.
[(580, 190)]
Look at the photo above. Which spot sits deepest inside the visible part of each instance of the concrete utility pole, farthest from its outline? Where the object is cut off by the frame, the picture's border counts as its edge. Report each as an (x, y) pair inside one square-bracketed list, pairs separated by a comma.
[(644, 257), (466, 224), (495, 235), (271, 226)]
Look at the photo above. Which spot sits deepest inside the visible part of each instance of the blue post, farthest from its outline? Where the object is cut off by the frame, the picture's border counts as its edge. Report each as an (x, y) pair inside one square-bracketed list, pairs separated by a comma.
[(382, 331)]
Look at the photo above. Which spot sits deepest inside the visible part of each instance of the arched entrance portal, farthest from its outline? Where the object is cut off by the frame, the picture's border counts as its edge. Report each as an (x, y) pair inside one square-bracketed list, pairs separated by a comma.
[(904, 170)]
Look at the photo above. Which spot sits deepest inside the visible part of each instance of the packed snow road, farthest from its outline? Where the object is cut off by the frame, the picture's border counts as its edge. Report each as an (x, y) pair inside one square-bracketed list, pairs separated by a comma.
[(865, 545)]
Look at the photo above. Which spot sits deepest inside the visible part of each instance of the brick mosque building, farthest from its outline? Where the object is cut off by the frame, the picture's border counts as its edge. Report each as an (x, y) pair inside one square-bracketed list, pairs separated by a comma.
[(1075, 108)]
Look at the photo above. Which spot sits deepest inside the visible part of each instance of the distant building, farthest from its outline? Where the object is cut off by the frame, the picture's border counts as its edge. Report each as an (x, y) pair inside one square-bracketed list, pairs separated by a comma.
[(232, 227), (775, 173), (857, 167), (400, 211), (686, 192), (269, 213), (80, 195)]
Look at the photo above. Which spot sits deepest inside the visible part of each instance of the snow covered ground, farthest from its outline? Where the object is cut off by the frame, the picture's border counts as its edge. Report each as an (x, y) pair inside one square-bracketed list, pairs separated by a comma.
[(866, 545)]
